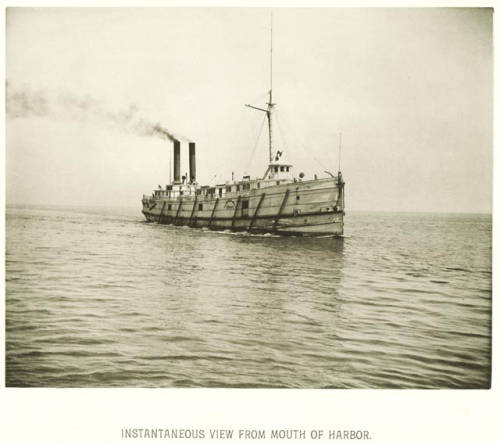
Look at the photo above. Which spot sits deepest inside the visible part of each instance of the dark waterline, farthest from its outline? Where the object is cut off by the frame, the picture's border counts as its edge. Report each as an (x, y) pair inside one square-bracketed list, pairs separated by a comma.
[(96, 297)]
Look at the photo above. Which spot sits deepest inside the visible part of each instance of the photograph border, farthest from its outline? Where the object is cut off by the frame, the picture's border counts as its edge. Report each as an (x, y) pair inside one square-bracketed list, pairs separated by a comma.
[(46, 415)]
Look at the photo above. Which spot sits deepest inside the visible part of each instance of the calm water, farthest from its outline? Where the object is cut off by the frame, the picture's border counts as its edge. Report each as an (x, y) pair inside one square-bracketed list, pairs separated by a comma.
[(98, 297)]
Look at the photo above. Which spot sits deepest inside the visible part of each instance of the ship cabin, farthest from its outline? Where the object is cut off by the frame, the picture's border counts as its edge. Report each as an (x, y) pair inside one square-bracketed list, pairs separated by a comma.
[(277, 173)]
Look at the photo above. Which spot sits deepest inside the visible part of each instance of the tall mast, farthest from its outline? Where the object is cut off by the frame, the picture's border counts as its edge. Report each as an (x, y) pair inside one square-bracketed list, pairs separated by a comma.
[(270, 104), (340, 147), (271, 58)]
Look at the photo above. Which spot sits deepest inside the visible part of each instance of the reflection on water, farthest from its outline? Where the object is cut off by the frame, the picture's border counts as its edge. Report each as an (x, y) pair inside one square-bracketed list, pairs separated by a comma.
[(101, 298)]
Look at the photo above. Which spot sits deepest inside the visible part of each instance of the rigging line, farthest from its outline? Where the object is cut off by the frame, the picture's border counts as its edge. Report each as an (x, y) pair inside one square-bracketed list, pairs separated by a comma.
[(256, 143), (320, 164)]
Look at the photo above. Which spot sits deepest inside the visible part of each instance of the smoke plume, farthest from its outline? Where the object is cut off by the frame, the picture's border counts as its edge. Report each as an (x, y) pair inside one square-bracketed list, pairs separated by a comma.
[(65, 106)]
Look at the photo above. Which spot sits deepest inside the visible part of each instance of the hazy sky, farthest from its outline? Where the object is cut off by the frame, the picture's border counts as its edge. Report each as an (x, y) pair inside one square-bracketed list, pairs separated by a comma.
[(410, 90)]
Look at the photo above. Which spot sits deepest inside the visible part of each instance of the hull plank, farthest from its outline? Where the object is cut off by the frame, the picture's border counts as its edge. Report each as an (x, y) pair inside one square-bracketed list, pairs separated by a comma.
[(283, 203), (160, 218), (235, 211), (213, 212), (178, 211), (256, 212)]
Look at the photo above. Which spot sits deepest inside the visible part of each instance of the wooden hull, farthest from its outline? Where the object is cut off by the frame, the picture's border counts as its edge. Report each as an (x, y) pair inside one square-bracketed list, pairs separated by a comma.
[(309, 208)]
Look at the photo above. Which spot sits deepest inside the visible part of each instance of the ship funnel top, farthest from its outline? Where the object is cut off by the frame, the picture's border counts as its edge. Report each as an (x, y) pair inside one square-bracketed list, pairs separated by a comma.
[(192, 162), (177, 161)]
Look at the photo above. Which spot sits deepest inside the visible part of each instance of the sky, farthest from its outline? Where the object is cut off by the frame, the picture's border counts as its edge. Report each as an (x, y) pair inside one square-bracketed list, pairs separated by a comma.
[(410, 90)]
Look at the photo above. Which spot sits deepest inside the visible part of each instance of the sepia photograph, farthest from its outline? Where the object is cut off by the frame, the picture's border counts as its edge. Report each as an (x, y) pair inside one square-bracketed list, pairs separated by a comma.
[(257, 198)]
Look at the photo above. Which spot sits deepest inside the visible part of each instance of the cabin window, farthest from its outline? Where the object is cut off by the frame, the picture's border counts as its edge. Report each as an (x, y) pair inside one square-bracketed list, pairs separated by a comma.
[(200, 207), (220, 192), (282, 168), (287, 169), (181, 192), (244, 204), (275, 169), (169, 207), (258, 184), (237, 188), (277, 182), (228, 189), (298, 197)]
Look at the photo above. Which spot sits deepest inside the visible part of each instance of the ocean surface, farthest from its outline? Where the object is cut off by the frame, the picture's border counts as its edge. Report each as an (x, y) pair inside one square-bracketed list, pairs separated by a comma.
[(97, 297)]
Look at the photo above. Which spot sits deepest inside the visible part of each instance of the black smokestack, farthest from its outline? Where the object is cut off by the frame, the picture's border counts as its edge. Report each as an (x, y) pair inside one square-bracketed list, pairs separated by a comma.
[(192, 162), (177, 161)]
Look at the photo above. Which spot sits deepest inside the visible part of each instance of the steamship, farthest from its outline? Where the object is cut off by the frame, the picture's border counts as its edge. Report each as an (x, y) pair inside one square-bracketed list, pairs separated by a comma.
[(278, 202)]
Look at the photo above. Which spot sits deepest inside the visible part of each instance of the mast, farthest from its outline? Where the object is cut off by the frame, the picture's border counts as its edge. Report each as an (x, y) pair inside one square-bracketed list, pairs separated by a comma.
[(270, 104), (340, 147)]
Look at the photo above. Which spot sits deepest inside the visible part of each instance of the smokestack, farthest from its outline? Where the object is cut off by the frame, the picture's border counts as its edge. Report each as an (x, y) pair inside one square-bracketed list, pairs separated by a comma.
[(192, 162), (177, 161)]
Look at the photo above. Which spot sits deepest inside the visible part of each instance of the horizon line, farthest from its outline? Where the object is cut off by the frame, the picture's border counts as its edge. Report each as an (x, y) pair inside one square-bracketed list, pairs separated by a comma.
[(7, 205)]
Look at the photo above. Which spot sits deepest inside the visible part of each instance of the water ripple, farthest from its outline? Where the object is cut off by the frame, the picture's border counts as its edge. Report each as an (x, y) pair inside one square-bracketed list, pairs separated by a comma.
[(99, 298)]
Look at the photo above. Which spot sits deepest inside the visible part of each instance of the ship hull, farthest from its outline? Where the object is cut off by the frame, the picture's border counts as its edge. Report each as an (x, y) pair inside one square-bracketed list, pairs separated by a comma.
[(309, 208), (309, 225)]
